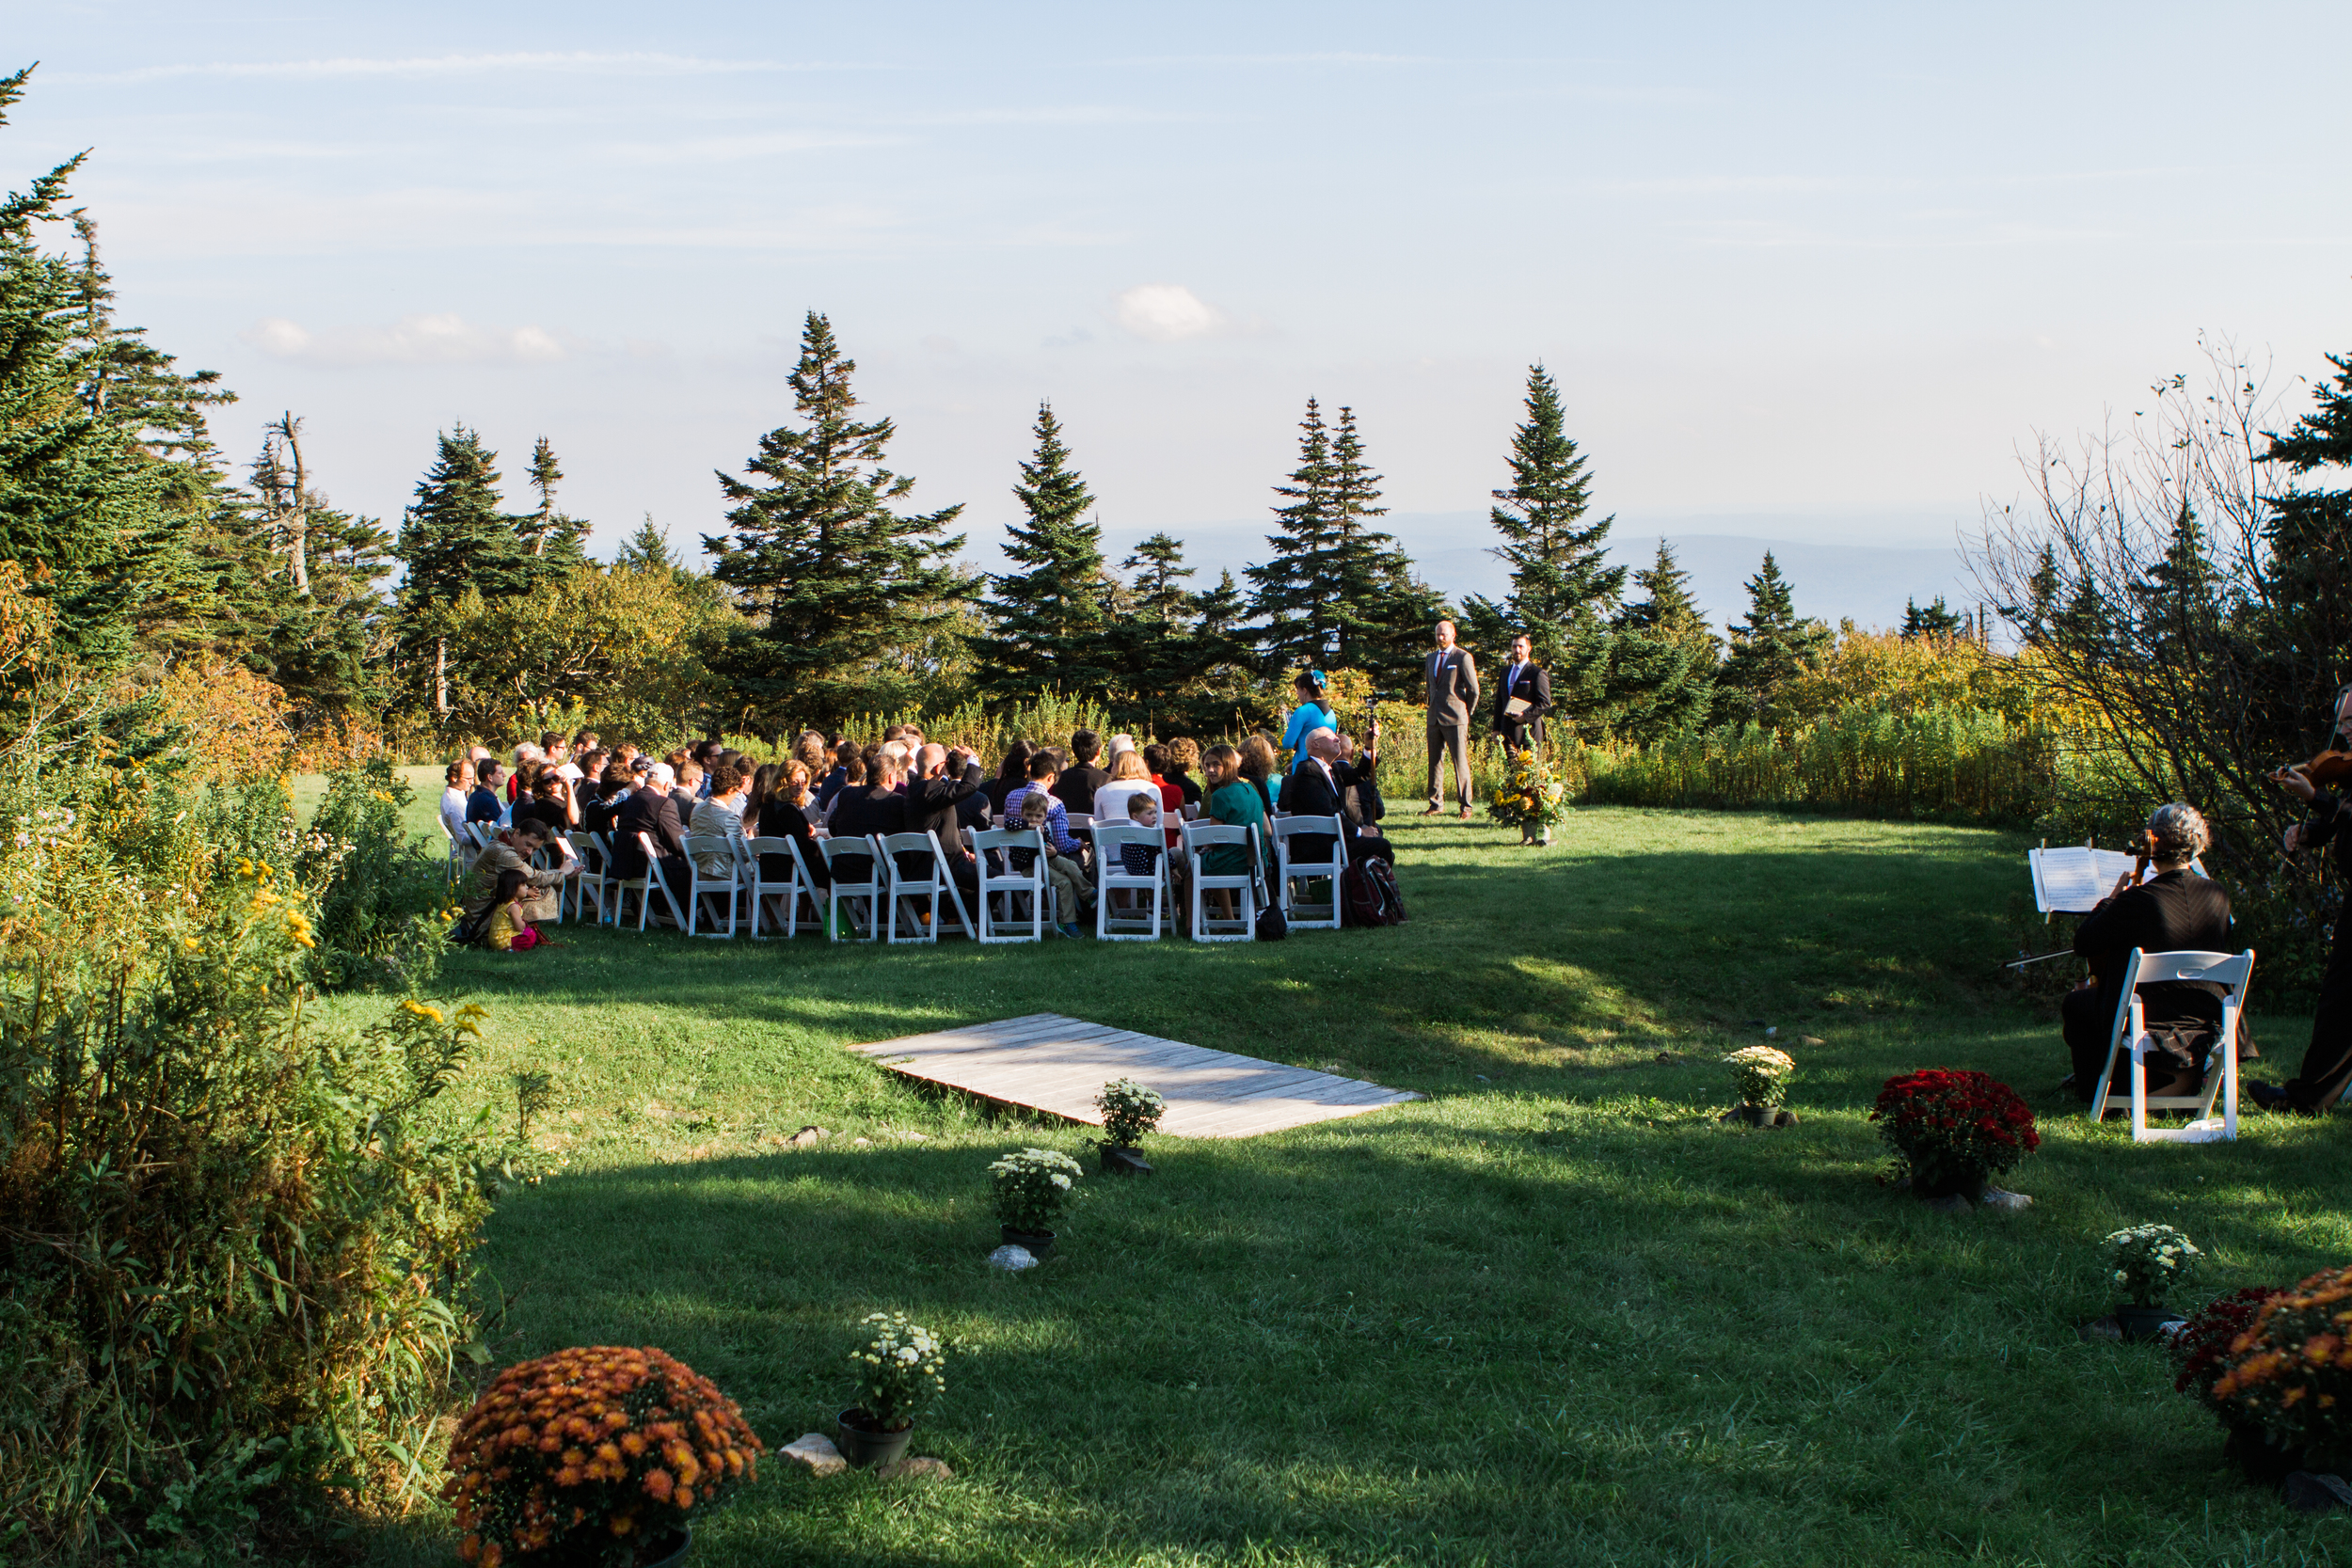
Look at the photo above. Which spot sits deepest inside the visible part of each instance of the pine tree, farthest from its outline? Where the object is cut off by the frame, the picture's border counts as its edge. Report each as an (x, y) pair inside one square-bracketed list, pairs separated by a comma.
[(1294, 592), (454, 541), (1937, 621), (646, 550), (829, 578), (554, 538), (1562, 589), (1048, 623), (1767, 653), (1158, 563), (1661, 656)]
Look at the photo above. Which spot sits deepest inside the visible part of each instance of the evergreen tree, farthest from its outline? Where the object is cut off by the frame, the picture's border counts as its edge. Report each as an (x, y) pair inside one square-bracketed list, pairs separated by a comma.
[(829, 578), (1048, 623), (554, 538), (1158, 563), (646, 550), (1562, 589), (1661, 656), (1937, 621), (454, 541), (1294, 591), (1767, 653)]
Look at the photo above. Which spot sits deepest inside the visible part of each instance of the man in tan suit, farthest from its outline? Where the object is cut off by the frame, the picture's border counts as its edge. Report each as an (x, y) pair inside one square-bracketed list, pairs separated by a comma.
[(1453, 698)]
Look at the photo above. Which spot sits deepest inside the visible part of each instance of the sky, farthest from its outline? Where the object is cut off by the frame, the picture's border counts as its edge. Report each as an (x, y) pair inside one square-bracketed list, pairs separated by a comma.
[(1805, 273)]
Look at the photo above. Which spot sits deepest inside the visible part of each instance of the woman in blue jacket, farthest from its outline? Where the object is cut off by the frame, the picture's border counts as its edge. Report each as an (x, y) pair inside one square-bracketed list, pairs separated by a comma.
[(1313, 712)]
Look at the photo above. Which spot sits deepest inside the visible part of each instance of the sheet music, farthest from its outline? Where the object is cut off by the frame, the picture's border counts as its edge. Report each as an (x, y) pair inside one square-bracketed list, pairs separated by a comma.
[(2071, 881)]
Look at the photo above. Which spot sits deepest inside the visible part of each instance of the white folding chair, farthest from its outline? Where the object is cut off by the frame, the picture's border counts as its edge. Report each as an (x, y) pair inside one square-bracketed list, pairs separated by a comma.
[(764, 889), (1079, 822), (701, 885), (461, 850), (936, 887), (1112, 877), (646, 886), (483, 834), (2131, 1032), (837, 852), (994, 846), (1290, 874), (1203, 836), (590, 884)]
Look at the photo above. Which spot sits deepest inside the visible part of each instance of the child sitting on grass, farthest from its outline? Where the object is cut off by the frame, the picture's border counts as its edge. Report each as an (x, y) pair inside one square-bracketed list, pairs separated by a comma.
[(1062, 871), (507, 931)]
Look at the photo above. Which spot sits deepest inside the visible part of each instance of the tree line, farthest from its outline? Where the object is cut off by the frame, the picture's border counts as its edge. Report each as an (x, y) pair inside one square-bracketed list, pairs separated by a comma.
[(827, 592)]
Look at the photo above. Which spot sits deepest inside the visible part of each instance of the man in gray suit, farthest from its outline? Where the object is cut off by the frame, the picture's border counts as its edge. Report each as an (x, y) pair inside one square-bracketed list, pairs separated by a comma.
[(1453, 698)]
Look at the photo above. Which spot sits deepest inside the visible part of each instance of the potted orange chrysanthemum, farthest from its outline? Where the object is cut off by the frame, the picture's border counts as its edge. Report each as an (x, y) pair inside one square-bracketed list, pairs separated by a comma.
[(596, 1457)]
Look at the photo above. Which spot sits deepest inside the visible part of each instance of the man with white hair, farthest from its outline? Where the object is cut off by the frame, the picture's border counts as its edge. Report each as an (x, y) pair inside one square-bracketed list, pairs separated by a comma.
[(2175, 910), (652, 813)]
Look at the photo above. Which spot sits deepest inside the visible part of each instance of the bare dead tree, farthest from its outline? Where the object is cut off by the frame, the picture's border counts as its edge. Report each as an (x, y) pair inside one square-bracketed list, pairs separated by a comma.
[(285, 496)]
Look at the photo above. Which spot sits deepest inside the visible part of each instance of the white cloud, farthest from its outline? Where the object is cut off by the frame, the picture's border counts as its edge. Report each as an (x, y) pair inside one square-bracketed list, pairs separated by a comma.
[(1167, 313), (440, 340)]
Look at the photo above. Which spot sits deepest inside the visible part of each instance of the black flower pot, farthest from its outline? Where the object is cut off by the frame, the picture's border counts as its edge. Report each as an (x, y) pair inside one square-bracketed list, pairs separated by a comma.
[(1120, 1160), (2144, 1323), (1939, 1183), (864, 1444), (1038, 1243), (668, 1552)]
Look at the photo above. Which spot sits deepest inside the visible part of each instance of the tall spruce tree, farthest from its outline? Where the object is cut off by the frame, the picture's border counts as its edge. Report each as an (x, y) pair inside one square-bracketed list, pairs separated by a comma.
[(1294, 592), (1159, 563), (1048, 623), (646, 550), (1661, 656), (830, 578), (558, 540), (1769, 651), (1937, 621), (1564, 592), (454, 541)]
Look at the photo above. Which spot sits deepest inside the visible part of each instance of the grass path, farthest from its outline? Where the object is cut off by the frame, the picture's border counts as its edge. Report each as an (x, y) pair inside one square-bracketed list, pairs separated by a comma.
[(1554, 1314)]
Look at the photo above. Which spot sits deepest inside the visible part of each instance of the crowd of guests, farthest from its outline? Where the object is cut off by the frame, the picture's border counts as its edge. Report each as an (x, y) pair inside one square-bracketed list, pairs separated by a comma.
[(900, 782)]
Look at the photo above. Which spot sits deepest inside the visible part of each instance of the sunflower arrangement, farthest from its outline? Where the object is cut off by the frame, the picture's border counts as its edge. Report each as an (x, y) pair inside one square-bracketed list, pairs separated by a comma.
[(1531, 795), (586, 1454)]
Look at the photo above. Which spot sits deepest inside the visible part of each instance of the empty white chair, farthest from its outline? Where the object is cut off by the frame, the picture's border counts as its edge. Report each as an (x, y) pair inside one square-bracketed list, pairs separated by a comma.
[(1292, 875), (1003, 888), (723, 885), (934, 887), (768, 892), (844, 852), (1079, 822), (590, 884), (1200, 838), (646, 886), (1139, 921), (2131, 1032)]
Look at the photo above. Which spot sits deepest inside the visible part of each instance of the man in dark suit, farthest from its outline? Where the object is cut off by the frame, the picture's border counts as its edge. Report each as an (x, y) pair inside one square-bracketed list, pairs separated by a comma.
[(1079, 780), (1523, 680), (945, 782), (1312, 790), (650, 810), (2173, 911), (874, 807)]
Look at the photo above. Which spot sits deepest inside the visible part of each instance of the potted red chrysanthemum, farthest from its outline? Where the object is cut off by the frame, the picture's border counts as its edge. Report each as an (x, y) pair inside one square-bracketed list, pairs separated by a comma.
[(1952, 1130), (596, 1457)]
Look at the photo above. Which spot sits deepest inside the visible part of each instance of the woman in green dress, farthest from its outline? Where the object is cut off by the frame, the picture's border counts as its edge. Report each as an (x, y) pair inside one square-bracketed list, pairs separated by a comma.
[(1233, 802)]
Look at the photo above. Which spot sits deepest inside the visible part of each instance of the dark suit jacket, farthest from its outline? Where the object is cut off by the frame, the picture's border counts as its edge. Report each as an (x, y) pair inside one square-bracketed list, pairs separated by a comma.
[(1360, 792), (1535, 684), (2178, 912), (647, 811), (1076, 787), (935, 805), (1308, 792)]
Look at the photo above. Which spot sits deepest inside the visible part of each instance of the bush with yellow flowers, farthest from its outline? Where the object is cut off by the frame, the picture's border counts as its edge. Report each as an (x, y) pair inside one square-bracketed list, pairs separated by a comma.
[(2288, 1378), (598, 1455), (1530, 794)]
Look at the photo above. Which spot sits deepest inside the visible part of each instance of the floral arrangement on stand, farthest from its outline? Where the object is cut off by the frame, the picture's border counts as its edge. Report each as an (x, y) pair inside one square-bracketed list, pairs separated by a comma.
[(1130, 1112), (1761, 1073), (902, 1369), (2146, 1261), (1952, 1130), (2200, 1347), (1531, 798), (1032, 1187), (603, 1454), (2285, 1389)]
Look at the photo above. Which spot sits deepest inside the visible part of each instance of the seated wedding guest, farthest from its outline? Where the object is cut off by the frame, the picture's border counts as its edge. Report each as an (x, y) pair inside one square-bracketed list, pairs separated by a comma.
[(1043, 775), (944, 780), (1233, 802), (810, 751), (874, 807), (2174, 910), (1262, 770), (836, 776), (485, 804), (557, 753), (1360, 792), (456, 795), (1143, 811), (1076, 785), (1156, 762), (1010, 776), (763, 783), (550, 803), (512, 850), (720, 814), (525, 754), (592, 763), (1311, 790), (1129, 777), (1184, 755), (651, 809), (598, 812), (507, 931), (787, 812), (1061, 869), (689, 789)]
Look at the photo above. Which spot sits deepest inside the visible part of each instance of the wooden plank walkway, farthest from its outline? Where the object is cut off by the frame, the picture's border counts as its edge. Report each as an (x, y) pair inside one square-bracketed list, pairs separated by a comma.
[(1045, 1062)]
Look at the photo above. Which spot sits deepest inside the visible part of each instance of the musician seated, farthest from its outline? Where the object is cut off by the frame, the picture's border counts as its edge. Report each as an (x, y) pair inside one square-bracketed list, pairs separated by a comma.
[(2175, 910)]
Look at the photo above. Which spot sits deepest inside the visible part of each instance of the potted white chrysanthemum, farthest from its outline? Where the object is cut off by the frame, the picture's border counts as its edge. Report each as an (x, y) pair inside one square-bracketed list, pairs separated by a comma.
[(2144, 1263), (1762, 1074), (1031, 1186), (1130, 1110), (900, 1370)]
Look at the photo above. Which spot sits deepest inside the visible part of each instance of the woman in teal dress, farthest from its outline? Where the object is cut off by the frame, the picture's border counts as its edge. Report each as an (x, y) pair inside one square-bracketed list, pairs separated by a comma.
[(1313, 712), (1233, 802)]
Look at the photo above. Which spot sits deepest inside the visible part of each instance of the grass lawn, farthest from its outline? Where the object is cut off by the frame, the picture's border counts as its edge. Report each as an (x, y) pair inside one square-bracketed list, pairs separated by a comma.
[(1556, 1313)]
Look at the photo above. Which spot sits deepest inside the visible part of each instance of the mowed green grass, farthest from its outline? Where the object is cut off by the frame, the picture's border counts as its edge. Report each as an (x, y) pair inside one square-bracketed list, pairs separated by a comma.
[(1556, 1313)]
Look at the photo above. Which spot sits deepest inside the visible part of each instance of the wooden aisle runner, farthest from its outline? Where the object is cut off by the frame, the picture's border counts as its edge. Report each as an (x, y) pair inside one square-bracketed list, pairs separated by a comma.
[(1046, 1062)]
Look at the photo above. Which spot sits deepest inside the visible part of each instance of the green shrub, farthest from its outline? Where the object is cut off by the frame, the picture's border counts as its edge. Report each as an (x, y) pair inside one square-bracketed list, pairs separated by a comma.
[(378, 894)]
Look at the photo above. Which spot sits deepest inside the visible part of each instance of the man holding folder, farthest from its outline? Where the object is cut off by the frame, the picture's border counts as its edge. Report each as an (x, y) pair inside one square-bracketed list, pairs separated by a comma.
[(1523, 699)]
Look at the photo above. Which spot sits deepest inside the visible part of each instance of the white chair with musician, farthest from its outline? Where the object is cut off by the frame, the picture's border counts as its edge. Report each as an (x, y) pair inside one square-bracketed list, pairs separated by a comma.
[(2132, 1042)]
